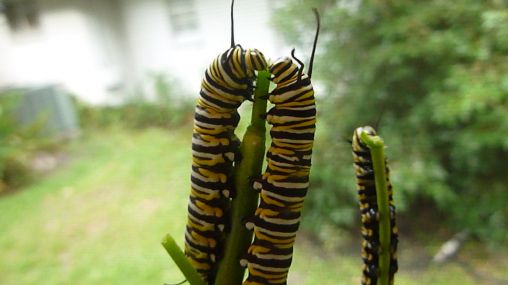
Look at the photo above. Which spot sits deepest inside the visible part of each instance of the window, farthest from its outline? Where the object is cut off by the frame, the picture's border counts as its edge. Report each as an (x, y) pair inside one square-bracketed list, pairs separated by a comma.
[(20, 14), (183, 16)]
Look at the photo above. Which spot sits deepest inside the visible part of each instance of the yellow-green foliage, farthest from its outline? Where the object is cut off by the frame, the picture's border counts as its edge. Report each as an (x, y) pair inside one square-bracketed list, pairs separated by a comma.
[(434, 75)]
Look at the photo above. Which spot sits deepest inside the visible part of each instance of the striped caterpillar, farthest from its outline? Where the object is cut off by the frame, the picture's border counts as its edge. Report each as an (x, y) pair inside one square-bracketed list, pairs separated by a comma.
[(227, 83), (284, 183), (366, 186)]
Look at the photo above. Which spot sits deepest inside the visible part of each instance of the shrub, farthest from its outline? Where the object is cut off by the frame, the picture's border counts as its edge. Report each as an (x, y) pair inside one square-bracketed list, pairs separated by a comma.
[(15, 141), (164, 109), (435, 73)]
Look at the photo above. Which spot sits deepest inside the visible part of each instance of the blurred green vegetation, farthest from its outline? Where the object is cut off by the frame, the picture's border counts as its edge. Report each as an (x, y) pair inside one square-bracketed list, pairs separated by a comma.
[(19, 144), (434, 76), (99, 219), (166, 108), (16, 144)]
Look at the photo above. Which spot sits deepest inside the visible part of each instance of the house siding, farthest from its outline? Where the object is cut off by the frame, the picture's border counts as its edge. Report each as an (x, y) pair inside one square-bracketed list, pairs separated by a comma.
[(65, 49), (101, 50)]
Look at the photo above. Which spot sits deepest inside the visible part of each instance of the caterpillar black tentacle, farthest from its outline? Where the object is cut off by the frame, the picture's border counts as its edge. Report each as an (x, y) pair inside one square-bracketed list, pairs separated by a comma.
[(314, 45), (300, 69), (365, 180)]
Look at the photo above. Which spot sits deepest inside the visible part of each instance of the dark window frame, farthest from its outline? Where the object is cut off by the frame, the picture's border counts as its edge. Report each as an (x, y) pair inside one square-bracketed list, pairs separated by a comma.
[(21, 14)]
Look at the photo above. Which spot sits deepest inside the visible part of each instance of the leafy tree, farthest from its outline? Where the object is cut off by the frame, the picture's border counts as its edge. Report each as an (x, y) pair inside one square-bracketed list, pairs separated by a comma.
[(435, 75)]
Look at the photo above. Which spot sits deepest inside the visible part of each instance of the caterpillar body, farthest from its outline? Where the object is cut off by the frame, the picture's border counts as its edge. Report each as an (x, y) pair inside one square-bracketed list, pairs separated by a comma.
[(366, 187), (284, 184), (227, 83)]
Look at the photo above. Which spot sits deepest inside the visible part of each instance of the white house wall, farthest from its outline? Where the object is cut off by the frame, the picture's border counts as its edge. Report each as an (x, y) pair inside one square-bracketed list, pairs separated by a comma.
[(103, 49), (64, 50), (155, 48), (147, 43), (107, 25), (50, 53)]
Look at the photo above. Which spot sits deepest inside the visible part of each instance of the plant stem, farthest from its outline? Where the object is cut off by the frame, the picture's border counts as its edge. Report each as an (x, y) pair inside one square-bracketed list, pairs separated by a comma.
[(376, 146), (181, 261), (245, 203)]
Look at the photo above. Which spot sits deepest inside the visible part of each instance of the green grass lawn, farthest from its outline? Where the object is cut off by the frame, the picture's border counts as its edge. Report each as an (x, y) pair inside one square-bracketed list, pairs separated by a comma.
[(100, 218)]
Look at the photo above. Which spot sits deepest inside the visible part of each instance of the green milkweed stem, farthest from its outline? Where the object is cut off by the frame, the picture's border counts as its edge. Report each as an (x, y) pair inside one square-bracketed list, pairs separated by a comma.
[(245, 203), (376, 146), (181, 261)]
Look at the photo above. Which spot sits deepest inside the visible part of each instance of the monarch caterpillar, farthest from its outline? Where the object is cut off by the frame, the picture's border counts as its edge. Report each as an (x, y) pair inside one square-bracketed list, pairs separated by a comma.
[(228, 81), (284, 183), (366, 187)]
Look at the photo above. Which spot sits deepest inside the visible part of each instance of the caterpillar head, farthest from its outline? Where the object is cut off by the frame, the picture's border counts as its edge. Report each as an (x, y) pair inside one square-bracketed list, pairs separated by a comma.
[(357, 142), (254, 60), (284, 70), (234, 59), (368, 129)]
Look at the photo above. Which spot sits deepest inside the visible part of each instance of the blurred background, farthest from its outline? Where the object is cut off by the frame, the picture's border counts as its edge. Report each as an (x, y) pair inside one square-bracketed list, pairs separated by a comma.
[(96, 111)]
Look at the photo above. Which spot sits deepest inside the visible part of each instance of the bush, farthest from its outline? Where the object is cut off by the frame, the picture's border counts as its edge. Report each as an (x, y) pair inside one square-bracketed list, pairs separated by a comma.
[(164, 110), (15, 143), (435, 73)]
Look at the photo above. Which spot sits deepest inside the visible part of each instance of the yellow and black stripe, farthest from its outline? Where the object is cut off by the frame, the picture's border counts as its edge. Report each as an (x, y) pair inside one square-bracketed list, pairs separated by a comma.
[(284, 184), (366, 187), (226, 84)]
